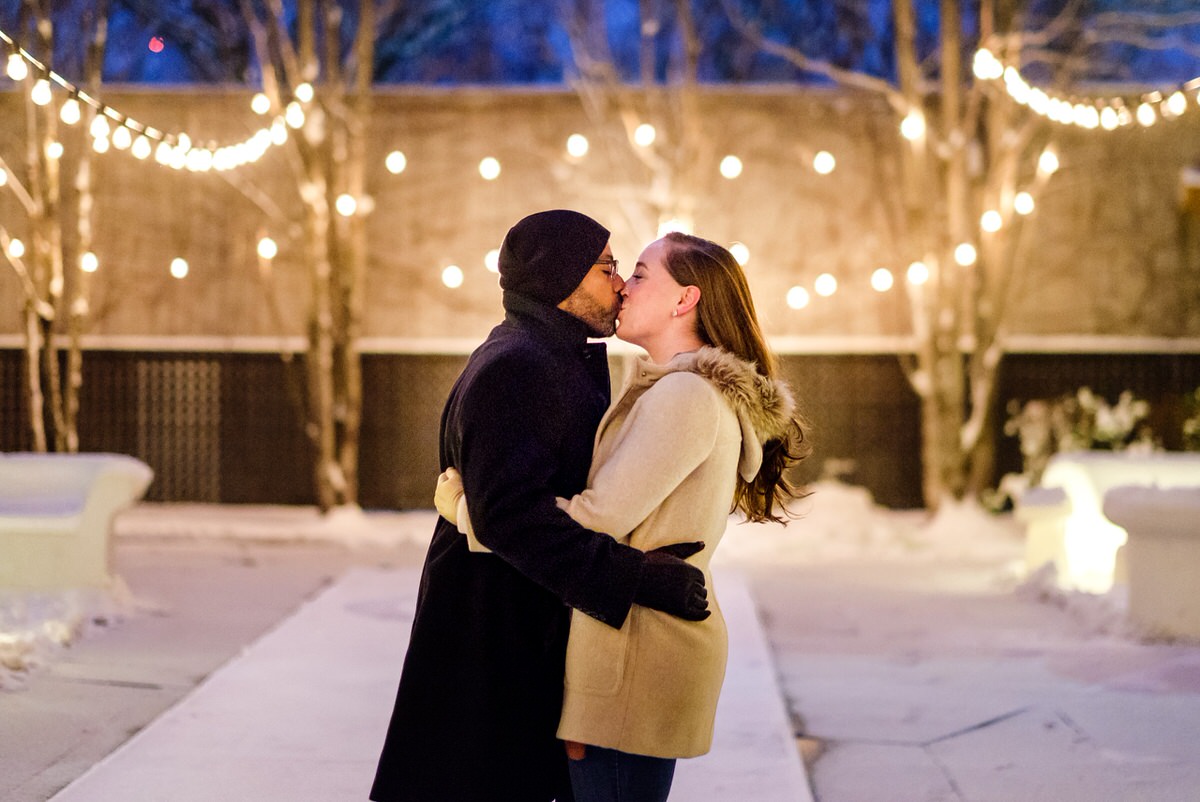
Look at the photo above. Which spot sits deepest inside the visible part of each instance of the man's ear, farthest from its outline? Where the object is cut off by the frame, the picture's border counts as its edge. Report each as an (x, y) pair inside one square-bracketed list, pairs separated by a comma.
[(688, 300)]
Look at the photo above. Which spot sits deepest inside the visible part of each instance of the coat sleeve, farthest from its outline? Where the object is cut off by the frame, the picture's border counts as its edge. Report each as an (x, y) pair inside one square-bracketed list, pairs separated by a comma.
[(670, 431), (513, 417)]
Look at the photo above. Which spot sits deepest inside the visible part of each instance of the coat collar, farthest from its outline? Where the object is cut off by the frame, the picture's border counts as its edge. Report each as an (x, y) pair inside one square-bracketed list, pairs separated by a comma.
[(558, 327), (764, 407)]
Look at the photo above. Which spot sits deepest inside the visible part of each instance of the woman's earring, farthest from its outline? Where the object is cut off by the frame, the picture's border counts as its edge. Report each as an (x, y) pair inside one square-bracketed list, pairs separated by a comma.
[(674, 313)]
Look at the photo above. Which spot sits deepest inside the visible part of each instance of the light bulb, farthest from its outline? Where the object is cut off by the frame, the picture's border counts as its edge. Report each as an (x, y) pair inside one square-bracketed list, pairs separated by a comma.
[(491, 260), (797, 298), (17, 69), (396, 162), (991, 221), (918, 273), (267, 248), (825, 285), (965, 254), (16, 248), (69, 113), (731, 167), (912, 127), (260, 103), (824, 163), (1023, 203), (452, 276), (88, 263), (577, 145), (881, 280), (1048, 162), (41, 94), (644, 135), (179, 267), (346, 205), (740, 252), (489, 168)]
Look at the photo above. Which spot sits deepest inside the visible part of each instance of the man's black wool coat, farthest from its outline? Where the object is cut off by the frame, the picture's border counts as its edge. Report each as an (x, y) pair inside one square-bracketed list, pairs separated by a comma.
[(481, 689)]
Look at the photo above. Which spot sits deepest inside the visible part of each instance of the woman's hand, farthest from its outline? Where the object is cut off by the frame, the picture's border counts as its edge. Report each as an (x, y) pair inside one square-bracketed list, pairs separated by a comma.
[(449, 491)]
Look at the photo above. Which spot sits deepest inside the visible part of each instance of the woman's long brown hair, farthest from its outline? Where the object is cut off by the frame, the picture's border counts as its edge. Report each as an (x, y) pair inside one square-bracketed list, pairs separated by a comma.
[(727, 320)]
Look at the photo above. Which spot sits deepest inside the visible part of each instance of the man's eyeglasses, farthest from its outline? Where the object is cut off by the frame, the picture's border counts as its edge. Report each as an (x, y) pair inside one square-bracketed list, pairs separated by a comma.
[(611, 264)]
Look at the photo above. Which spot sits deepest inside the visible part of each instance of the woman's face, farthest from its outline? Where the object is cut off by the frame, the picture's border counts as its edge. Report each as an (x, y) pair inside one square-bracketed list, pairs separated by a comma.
[(649, 296)]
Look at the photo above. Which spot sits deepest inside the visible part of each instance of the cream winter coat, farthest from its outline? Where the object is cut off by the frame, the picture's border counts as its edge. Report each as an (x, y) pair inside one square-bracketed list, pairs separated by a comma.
[(666, 459)]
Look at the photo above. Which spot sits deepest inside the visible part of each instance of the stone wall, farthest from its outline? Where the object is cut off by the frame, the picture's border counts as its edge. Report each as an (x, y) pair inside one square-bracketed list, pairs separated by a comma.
[(1108, 252)]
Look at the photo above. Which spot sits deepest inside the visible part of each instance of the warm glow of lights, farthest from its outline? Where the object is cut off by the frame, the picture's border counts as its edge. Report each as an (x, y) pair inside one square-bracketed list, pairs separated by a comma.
[(16, 248), (644, 135), (17, 69), (294, 115), (740, 252), (100, 128), (260, 103), (41, 94), (100, 144), (577, 145), (3, 176), (1048, 162), (1023, 203), (824, 163), (88, 263), (69, 113), (141, 147), (797, 298), (489, 168), (346, 204), (991, 221), (825, 285), (491, 260), (965, 254), (731, 166), (881, 280), (1176, 103), (918, 273), (54, 150), (452, 276), (267, 249), (1146, 115), (395, 162), (122, 138), (179, 267), (912, 127), (304, 93), (1109, 119)]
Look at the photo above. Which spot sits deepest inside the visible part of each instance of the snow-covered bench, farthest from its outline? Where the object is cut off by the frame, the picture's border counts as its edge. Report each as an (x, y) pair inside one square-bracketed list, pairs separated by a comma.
[(56, 512), (1064, 517), (1162, 556)]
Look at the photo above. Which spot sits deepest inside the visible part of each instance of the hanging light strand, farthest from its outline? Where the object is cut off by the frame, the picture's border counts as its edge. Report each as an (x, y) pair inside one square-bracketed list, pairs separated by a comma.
[(140, 140), (1107, 113)]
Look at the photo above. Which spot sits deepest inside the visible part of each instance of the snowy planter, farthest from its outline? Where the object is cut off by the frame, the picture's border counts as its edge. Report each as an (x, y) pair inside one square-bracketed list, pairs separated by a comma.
[(56, 512), (1162, 556), (1072, 530)]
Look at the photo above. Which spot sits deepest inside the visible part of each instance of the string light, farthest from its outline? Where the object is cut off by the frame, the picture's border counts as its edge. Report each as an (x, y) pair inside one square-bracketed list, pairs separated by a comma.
[(88, 263), (16, 248), (175, 151), (395, 162), (1023, 203), (1048, 162), (489, 168), (452, 276), (346, 205), (824, 163), (965, 254), (54, 150), (991, 221), (260, 104), (918, 273), (1108, 113), (491, 260), (731, 167), (825, 285), (644, 135), (881, 280), (179, 267), (577, 145), (267, 248), (797, 298), (912, 127)]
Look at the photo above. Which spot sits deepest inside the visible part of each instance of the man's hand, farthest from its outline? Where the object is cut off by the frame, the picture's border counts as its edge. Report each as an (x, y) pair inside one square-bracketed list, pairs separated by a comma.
[(672, 585)]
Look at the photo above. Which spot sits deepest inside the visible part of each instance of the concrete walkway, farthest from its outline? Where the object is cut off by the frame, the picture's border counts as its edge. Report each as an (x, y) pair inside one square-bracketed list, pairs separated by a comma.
[(300, 715)]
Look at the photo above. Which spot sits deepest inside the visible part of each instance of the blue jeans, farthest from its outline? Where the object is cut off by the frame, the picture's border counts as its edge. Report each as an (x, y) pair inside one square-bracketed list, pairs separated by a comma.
[(606, 775)]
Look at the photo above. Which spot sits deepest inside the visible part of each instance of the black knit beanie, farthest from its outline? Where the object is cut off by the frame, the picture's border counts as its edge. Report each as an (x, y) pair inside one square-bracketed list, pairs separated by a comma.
[(546, 255)]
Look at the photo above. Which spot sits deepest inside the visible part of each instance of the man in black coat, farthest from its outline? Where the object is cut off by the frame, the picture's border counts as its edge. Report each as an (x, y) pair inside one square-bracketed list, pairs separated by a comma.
[(481, 689)]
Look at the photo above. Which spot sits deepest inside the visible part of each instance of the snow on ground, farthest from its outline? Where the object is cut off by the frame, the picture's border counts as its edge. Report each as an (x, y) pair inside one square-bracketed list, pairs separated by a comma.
[(837, 523)]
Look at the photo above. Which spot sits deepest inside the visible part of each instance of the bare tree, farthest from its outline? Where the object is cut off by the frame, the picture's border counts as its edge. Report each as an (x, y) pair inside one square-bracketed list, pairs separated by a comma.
[(328, 165), (55, 297)]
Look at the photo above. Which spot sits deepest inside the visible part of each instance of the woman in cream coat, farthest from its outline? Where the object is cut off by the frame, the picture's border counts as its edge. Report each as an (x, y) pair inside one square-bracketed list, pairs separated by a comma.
[(702, 424)]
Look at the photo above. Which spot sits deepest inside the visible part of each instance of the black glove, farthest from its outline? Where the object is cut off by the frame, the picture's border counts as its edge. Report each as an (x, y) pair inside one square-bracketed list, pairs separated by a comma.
[(671, 585)]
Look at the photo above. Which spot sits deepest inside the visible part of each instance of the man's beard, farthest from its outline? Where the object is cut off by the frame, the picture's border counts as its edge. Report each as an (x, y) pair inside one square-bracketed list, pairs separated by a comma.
[(601, 320)]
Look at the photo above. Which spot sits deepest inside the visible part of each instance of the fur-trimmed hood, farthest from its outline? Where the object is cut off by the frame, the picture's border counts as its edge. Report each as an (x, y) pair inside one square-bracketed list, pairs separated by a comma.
[(765, 407)]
